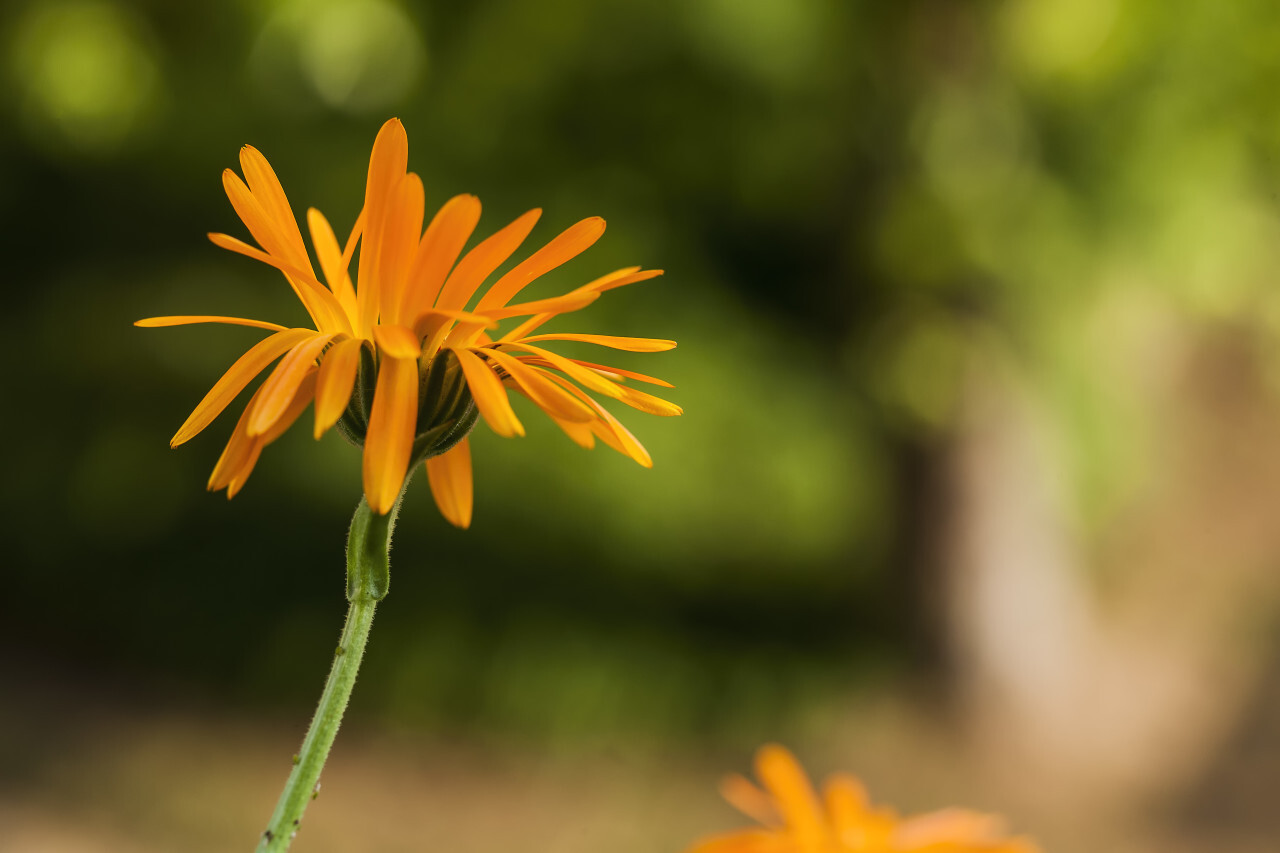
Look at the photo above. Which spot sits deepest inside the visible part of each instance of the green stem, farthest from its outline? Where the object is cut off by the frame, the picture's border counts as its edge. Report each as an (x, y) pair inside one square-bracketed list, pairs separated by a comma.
[(368, 545)]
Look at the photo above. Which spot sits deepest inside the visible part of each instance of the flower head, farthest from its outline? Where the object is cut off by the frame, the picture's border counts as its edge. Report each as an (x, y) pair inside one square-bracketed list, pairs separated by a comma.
[(397, 359), (795, 821)]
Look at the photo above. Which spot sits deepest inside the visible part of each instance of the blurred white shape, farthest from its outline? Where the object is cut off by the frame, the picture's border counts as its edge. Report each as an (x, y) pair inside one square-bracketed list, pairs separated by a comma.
[(356, 56), (85, 71)]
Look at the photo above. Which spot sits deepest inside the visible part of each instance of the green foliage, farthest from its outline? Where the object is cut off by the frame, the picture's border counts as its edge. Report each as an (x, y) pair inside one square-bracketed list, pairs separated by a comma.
[(854, 203)]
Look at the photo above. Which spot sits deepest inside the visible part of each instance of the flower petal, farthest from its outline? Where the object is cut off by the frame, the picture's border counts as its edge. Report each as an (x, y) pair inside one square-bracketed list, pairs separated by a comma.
[(613, 341), (306, 392), (282, 385), (556, 305), (647, 402), (541, 390), (238, 449), (332, 262), (389, 439), (476, 266), (337, 378), (606, 427), (490, 396), (297, 270), (568, 244), (186, 320), (782, 776), (581, 375), (266, 188), (949, 826), (617, 371), (580, 433), (748, 799), (450, 478), (400, 234), (846, 801), (233, 381), (241, 453), (253, 214), (438, 251), (621, 278), (397, 341), (387, 165), (322, 305), (617, 278)]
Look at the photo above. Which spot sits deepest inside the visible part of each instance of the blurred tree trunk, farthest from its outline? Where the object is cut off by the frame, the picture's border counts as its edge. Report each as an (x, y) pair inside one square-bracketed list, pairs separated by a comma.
[(1110, 667)]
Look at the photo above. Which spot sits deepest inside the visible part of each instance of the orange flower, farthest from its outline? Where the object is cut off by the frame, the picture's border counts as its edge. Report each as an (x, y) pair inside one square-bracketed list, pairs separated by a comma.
[(396, 360), (795, 821)]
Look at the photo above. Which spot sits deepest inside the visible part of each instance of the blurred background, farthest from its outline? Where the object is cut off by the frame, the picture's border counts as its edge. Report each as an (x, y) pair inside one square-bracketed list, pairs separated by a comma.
[(975, 494)]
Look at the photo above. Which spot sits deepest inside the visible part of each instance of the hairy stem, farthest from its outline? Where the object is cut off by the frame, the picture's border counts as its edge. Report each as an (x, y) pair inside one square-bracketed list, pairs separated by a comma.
[(367, 570)]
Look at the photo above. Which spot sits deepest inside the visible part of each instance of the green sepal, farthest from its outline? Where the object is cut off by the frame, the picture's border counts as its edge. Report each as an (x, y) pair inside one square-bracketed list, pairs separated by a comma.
[(446, 410), (355, 420), (369, 553)]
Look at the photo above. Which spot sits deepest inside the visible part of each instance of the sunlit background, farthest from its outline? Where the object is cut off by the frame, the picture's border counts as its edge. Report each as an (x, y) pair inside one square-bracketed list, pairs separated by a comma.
[(977, 493)]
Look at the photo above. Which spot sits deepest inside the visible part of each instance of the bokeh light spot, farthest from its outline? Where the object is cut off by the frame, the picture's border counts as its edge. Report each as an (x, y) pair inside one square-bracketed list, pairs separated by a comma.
[(1060, 36), (357, 56), (85, 71)]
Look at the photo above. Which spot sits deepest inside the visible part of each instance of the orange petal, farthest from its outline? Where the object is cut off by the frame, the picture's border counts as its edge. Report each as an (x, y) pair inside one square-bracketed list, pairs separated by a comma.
[(613, 433), (545, 393), (185, 320), (266, 188), (238, 449), (846, 801), (448, 232), (613, 341), (748, 799), (434, 325), (782, 776), (949, 826), (400, 234), (389, 439), (354, 237), (647, 402), (302, 397), (337, 378), (387, 165), (557, 305), (397, 341), (450, 478), (617, 371), (606, 427), (283, 383), (323, 307), (568, 244), (749, 841), (490, 396), (239, 375), (332, 262), (617, 278), (253, 214), (242, 451), (581, 375), (620, 278), (580, 433), (476, 266)]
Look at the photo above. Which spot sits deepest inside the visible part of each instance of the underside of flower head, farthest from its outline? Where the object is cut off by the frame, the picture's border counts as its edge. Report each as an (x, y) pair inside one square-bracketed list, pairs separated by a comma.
[(400, 359)]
